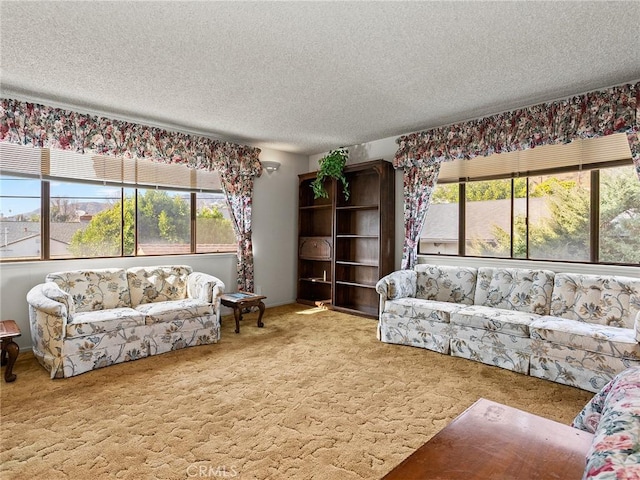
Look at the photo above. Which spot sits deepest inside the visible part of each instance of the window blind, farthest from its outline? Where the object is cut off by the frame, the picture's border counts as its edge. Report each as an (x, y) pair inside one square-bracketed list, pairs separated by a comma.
[(580, 152), (19, 160), (66, 165)]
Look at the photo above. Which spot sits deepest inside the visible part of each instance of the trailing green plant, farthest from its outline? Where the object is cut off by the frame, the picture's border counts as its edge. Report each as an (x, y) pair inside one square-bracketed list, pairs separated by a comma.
[(331, 165)]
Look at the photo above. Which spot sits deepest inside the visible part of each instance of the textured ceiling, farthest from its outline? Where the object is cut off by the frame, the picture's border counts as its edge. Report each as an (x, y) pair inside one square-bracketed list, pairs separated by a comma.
[(307, 77)]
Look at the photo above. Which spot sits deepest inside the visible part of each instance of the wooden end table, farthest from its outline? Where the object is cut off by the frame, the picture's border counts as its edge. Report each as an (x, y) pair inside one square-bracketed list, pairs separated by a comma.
[(242, 301), (8, 330)]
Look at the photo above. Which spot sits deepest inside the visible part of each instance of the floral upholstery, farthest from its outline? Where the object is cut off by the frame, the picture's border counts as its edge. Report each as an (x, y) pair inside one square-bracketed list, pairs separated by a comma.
[(69, 338), (514, 289), (437, 311), (101, 321), (446, 284), (204, 287), (94, 289), (605, 300), (619, 342), (398, 284), (177, 310), (158, 284), (416, 308), (511, 322), (613, 416), (509, 359), (416, 332), (514, 323)]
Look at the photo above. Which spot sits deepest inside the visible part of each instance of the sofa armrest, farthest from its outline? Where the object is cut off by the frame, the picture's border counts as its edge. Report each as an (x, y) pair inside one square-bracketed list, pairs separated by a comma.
[(49, 312), (398, 284), (637, 327), (51, 299), (617, 429), (205, 287)]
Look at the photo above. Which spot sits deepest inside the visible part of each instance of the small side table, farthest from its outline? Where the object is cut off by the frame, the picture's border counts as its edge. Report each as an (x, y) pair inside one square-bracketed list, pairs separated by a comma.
[(8, 330), (241, 301)]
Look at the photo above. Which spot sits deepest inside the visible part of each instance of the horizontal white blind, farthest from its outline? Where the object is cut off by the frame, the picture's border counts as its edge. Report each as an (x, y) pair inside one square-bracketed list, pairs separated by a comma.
[(581, 152), (67, 165), (21, 160), (77, 166)]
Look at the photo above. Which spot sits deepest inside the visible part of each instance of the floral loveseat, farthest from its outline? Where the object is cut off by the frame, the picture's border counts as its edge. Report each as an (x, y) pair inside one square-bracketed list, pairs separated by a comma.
[(580, 330), (86, 319), (613, 416)]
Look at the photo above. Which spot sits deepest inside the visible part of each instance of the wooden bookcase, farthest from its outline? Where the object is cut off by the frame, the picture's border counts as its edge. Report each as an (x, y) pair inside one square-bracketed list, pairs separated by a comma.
[(315, 243), (345, 246)]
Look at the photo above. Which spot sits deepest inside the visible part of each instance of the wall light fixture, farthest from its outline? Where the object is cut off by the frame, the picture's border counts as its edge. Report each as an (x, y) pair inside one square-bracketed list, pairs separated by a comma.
[(270, 167)]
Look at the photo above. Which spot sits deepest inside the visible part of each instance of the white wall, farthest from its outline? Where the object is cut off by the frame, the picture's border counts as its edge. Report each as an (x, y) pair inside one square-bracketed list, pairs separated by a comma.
[(275, 227), (275, 224)]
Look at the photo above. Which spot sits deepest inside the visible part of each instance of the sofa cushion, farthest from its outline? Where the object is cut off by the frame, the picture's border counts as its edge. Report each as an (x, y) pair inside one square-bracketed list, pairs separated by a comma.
[(615, 341), (446, 284), (600, 299), (102, 321), (174, 310), (158, 284), (517, 289), (437, 311), (92, 290), (424, 309), (510, 322)]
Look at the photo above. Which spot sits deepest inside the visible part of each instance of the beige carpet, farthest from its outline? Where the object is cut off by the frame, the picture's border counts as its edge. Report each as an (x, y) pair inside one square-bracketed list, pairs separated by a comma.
[(311, 395)]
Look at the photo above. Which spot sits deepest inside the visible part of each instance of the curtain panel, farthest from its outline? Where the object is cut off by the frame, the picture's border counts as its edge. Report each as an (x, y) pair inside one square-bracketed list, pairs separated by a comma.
[(419, 182), (237, 176), (47, 127), (595, 114)]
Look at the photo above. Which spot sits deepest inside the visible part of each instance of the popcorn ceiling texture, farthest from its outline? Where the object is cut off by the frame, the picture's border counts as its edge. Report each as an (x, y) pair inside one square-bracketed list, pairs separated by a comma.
[(311, 395), (308, 77)]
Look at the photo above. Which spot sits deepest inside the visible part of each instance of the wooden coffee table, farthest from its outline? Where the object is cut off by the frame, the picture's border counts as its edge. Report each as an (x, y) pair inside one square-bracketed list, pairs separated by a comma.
[(243, 301), (490, 441), (8, 330)]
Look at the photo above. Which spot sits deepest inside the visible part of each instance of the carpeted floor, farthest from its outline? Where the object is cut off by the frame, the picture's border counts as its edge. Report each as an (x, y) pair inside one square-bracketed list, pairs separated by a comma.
[(311, 395)]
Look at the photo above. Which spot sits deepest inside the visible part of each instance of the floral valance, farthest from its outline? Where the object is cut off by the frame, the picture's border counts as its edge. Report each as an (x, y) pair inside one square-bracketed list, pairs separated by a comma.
[(595, 114), (41, 126)]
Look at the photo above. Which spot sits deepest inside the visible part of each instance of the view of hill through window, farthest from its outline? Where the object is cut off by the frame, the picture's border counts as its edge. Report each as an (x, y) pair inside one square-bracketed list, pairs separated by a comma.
[(93, 220)]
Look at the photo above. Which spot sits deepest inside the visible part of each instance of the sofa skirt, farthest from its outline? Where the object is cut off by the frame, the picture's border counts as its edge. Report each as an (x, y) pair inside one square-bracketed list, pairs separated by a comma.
[(414, 332), (82, 354)]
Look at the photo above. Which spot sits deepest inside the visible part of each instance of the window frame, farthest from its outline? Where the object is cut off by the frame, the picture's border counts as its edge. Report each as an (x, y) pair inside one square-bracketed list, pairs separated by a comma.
[(594, 212), (45, 230)]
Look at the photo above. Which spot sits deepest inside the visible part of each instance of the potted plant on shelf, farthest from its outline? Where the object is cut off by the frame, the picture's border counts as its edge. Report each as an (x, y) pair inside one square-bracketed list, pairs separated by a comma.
[(331, 165)]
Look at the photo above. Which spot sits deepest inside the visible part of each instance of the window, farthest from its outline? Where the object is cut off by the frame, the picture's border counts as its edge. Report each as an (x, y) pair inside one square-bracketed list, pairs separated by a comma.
[(163, 222), (441, 237), (84, 220), (619, 215), (214, 230), (560, 217), (578, 207), (488, 218), (92, 206), (19, 218)]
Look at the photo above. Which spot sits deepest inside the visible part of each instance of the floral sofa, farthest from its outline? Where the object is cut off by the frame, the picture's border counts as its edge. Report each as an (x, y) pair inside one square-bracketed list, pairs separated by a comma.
[(580, 330), (613, 416), (86, 319)]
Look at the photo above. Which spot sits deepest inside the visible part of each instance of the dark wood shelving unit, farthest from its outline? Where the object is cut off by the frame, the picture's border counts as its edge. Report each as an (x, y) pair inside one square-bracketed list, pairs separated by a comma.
[(345, 246), (315, 243)]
